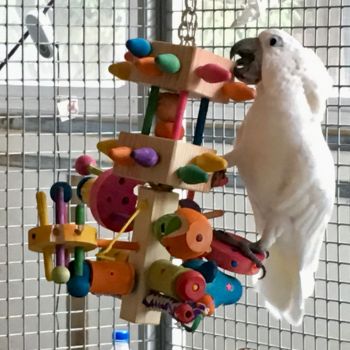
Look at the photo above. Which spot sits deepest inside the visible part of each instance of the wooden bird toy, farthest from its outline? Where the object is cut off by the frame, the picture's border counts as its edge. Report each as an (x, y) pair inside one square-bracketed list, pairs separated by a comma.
[(136, 194)]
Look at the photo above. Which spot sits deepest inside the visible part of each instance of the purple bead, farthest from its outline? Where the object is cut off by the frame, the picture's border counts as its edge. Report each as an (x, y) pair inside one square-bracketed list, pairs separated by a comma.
[(145, 156)]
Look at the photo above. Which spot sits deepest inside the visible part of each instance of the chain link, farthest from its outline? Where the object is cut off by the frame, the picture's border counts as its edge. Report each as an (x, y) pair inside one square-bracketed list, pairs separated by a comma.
[(188, 26)]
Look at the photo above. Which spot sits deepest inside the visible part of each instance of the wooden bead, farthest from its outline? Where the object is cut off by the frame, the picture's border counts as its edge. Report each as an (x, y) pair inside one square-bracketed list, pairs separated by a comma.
[(139, 47), (166, 107), (65, 187), (82, 164), (147, 66), (145, 156), (165, 129), (192, 174), (121, 155), (210, 162), (238, 91), (121, 70), (168, 63), (60, 274), (79, 285), (213, 73)]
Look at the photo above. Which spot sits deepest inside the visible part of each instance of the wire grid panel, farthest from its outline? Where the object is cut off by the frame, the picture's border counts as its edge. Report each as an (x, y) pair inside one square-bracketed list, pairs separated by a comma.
[(38, 147), (323, 25)]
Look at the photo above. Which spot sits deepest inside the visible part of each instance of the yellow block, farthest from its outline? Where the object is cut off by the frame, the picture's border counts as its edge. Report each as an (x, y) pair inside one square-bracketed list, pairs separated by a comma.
[(106, 145), (210, 162)]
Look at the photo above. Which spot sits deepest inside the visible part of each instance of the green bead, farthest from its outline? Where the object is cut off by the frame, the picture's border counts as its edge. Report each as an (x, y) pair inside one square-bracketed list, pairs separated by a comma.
[(60, 274), (166, 224), (192, 174), (168, 62)]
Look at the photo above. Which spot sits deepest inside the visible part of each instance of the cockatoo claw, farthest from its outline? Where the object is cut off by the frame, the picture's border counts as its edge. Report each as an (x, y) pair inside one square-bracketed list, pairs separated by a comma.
[(248, 249)]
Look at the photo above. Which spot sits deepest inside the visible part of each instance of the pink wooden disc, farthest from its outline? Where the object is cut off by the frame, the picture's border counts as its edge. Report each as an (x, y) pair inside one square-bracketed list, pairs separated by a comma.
[(112, 200)]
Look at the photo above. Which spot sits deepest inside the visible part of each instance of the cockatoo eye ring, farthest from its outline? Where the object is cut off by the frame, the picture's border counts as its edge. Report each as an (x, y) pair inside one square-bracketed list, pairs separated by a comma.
[(276, 41)]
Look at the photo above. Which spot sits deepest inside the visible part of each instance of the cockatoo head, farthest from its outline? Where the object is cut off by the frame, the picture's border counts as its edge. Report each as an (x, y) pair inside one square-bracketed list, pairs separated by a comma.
[(280, 62), (272, 46)]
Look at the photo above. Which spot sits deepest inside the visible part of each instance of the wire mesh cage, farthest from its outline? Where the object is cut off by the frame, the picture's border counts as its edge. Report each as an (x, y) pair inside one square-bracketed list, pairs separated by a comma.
[(40, 139)]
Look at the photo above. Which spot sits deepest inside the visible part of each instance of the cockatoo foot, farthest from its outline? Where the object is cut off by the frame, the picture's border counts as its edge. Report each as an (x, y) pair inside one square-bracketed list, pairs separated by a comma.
[(248, 249)]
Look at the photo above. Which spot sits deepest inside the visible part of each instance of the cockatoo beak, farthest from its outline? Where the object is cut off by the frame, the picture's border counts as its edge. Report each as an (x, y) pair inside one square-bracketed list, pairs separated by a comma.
[(248, 67)]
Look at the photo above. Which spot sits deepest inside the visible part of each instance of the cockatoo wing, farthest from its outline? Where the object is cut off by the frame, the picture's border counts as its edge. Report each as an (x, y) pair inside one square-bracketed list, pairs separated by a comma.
[(294, 255)]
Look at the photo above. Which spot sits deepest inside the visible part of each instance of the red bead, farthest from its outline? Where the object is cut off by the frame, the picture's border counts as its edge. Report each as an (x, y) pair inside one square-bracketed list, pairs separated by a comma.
[(82, 164)]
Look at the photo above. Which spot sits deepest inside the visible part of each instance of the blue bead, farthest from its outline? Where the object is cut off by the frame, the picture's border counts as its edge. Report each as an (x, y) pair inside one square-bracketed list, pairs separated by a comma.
[(139, 47), (66, 189), (79, 286)]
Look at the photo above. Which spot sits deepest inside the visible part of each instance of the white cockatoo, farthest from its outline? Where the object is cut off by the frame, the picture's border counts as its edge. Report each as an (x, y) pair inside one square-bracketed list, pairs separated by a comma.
[(286, 165)]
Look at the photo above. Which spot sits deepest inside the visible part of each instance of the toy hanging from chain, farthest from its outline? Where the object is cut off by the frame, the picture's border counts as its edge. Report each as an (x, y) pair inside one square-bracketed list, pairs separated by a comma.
[(155, 161)]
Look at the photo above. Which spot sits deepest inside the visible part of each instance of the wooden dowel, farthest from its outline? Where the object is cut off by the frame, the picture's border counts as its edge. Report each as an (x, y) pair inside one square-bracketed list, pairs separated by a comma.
[(180, 110)]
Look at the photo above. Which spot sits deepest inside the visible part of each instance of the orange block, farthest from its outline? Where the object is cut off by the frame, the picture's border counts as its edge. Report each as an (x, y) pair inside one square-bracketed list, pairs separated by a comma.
[(121, 155), (147, 66), (238, 91), (165, 129), (112, 277), (166, 106)]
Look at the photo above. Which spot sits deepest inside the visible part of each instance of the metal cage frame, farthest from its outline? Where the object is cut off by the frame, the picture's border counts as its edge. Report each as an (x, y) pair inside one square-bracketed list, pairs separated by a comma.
[(36, 148)]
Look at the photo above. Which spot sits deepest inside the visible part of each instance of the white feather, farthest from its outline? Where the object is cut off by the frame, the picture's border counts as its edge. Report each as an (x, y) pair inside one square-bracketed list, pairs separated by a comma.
[(288, 171)]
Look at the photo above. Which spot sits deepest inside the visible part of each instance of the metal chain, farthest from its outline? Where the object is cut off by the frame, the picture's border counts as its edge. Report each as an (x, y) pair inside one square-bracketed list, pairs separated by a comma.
[(188, 26)]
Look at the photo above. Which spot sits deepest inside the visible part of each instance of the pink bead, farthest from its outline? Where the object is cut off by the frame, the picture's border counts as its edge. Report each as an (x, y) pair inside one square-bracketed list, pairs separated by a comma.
[(82, 164)]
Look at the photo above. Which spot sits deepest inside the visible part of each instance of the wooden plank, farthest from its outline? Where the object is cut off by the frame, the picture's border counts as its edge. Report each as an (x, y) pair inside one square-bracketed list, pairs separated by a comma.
[(158, 203)]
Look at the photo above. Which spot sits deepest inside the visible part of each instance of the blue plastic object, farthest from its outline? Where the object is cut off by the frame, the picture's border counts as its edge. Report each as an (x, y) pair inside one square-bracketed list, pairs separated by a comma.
[(66, 188), (79, 286), (120, 336), (224, 289), (139, 47)]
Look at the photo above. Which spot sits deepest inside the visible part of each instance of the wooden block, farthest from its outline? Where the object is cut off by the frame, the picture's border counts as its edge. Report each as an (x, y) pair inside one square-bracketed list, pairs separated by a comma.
[(158, 204), (173, 155), (186, 78)]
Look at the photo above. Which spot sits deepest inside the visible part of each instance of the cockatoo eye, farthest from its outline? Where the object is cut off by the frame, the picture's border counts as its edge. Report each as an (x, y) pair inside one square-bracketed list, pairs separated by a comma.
[(276, 41)]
